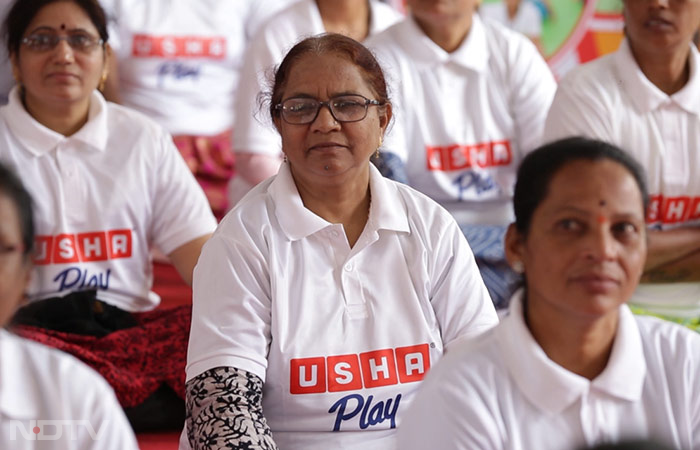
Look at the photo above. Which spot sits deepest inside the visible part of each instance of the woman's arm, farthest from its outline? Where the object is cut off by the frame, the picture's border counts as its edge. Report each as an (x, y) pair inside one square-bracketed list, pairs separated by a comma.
[(185, 257), (224, 410)]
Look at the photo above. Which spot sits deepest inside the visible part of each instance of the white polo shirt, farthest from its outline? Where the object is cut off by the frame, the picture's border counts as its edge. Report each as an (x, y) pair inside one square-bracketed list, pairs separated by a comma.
[(254, 131), (611, 99), (340, 335), (501, 391), (527, 20), (179, 60), (50, 400), (464, 120), (102, 198)]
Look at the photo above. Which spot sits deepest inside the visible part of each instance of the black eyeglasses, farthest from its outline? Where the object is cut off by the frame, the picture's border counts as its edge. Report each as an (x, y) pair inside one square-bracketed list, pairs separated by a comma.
[(79, 41), (344, 108)]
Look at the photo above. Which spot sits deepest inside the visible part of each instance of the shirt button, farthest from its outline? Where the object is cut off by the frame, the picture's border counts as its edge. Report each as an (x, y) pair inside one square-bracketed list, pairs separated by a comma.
[(348, 267), (335, 233)]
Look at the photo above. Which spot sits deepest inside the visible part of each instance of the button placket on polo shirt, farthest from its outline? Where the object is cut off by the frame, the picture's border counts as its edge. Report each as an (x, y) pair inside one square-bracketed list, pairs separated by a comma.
[(73, 182)]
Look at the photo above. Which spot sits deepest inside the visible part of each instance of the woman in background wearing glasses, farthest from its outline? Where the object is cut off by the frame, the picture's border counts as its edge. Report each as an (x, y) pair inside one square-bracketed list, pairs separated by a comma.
[(325, 295), (108, 185)]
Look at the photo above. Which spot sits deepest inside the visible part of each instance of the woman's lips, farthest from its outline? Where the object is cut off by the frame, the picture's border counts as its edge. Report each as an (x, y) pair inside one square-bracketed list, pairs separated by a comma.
[(659, 24), (327, 146), (597, 283)]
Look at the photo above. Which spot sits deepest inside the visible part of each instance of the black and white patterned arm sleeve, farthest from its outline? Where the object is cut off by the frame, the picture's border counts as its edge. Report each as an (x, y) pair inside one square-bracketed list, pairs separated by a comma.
[(224, 410)]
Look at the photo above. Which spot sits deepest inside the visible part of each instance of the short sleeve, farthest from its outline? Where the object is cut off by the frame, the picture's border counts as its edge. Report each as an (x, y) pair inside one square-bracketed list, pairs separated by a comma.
[(231, 312), (181, 210), (254, 130), (395, 137), (532, 90), (459, 297), (578, 110)]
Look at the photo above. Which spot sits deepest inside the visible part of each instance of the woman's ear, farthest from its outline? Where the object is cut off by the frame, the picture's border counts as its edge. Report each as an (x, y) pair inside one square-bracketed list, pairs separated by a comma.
[(514, 247), (385, 114)]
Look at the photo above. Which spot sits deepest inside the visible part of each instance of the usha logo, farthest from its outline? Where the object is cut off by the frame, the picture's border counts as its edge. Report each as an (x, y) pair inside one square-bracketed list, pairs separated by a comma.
[(353, 372), (53, 430), (83, 247)]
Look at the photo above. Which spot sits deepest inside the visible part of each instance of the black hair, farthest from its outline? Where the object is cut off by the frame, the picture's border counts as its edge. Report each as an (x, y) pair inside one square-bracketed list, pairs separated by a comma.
[(539, 167), (12, 187), (22, 13)]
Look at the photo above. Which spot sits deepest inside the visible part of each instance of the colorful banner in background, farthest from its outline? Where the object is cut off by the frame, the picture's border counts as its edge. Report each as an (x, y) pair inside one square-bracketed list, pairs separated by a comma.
[(573, 31), (578, 31)]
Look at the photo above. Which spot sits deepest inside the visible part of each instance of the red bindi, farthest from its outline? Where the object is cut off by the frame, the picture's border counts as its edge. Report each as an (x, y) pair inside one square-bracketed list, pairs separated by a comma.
[(63, 26), (602, 219)]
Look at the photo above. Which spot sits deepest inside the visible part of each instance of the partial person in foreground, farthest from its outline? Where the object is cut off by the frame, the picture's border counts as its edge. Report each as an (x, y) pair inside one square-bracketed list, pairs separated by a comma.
[(471, 100), (328, 292), (570, 365), (48, 399), (646, 98), (108, 185)]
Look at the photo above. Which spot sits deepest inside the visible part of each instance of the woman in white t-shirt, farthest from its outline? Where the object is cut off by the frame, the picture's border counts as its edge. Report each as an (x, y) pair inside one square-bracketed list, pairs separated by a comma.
[(47, 399), (570, 365), (108, 185), (178, 62), (326, 294), (471, 100)]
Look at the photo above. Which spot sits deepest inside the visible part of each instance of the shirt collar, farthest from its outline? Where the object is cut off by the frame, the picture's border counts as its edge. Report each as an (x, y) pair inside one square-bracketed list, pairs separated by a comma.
[(552, 388), (387, 210), (18, 398), (40, 140), (472, 53), (644, 94)]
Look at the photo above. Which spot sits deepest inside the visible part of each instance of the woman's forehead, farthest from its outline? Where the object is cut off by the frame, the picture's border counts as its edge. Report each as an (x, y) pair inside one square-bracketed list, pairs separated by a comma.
[(594, 184), (325, 74)]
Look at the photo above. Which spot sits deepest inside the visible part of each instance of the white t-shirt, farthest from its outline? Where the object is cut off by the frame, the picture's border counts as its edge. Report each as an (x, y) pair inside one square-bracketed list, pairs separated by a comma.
[(179, 60), (611, 99), (501, 391), (50, 400), (463, 120), (340, 335), (102, 198), (254, 131)]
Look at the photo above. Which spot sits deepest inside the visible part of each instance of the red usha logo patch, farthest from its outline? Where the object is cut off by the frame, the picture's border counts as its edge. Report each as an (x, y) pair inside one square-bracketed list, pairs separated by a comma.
[(458, 156), (147, 46), (83, 247), (357, 371), (673, 209)]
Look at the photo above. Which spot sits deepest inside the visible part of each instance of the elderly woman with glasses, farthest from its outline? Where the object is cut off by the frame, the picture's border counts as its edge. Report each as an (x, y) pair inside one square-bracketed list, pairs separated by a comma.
[(109, 184), (329, 291)]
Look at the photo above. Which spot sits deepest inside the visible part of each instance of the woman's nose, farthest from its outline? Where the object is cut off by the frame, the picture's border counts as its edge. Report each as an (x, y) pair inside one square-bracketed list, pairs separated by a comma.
[(602, 244), (324, 119), (64, 52)]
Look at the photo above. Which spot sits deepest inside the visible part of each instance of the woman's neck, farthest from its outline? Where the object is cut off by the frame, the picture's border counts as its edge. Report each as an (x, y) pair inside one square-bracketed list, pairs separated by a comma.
[(449, 36), (346, 203), (580, 345), (348, 17), (65, 119), (669, 71)]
